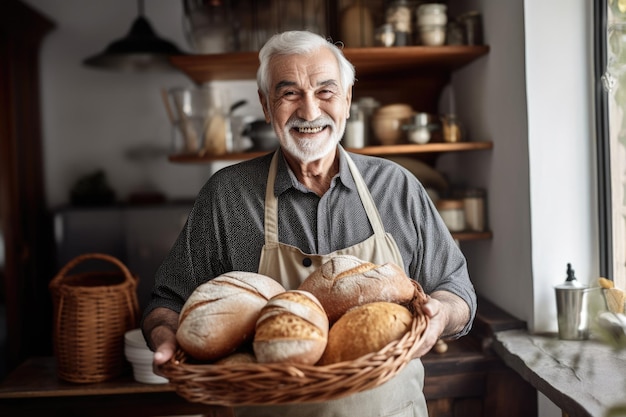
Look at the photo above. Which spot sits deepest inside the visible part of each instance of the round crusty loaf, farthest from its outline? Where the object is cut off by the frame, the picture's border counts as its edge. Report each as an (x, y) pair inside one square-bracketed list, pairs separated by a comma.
[(346, 281), (292, 327), (221, 313), (366, 329)]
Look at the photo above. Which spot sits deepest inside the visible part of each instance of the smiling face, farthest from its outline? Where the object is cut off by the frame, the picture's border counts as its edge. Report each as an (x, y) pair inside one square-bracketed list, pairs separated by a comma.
[(307, 104)]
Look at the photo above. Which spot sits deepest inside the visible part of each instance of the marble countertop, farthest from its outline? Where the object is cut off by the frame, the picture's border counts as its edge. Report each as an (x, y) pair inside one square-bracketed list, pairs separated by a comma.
[(583, 378)]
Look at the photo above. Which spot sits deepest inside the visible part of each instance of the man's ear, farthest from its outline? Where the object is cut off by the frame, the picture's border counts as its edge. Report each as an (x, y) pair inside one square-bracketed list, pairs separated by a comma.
[(348, 101), (264, 105)]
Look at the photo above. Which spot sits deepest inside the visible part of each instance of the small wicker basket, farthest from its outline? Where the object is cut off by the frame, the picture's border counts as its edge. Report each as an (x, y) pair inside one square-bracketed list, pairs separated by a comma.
[(279, 383), (92, 311)]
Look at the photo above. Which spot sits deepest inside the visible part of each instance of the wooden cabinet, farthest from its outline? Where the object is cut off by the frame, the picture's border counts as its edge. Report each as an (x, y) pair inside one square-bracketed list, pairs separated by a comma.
[(25, 225), (470, 380)]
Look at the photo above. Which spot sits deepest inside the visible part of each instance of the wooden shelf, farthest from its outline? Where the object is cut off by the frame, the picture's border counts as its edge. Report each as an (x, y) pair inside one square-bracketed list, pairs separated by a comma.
[(472, 235), (401, 71), (405, 149), (367, 61)]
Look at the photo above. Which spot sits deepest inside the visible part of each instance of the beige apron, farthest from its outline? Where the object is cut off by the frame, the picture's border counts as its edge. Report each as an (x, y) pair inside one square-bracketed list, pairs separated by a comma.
[(290, 266), (400, 397)]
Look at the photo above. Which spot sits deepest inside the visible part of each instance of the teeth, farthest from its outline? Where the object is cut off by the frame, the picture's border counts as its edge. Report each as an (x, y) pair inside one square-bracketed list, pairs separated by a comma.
[(310, 129)]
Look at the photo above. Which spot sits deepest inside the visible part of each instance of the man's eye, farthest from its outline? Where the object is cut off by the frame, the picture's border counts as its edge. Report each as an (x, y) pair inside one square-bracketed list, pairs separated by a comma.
[(326, 93)]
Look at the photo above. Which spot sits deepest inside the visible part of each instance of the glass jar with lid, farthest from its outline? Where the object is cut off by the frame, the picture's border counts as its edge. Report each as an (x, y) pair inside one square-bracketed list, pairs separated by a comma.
[(398, 14), (452, 128), (452, 212)]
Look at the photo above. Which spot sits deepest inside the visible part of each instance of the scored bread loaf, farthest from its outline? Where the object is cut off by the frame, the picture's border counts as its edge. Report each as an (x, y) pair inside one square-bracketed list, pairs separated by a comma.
[(346, 281), (220, 314), (365, 329), (292, 327)]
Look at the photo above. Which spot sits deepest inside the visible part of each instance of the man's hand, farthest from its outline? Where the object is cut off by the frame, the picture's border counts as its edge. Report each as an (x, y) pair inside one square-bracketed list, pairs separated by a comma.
[(447, 314), (160, 330), (165, 341)]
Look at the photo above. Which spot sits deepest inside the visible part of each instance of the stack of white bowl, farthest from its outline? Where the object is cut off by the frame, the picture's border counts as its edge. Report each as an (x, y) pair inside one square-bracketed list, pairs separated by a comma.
[(140, 357), (431, 22)]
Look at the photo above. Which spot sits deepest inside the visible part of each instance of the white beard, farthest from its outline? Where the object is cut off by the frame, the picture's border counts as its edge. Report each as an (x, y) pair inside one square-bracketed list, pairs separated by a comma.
[(309, 150)]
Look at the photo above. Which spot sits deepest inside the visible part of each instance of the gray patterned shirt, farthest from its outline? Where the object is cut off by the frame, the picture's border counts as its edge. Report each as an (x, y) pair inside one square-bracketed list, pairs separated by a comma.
[(224, 231)]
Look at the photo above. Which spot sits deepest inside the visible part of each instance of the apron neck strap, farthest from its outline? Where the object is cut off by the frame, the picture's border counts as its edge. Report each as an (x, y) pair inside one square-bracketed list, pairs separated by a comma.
[(271, 202)]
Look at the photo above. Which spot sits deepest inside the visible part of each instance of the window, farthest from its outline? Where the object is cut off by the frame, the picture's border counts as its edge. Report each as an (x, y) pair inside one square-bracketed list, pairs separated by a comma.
[(610, 60)]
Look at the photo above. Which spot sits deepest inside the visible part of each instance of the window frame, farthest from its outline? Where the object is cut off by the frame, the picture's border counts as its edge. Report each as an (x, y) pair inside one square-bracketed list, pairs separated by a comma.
[(603, 149)]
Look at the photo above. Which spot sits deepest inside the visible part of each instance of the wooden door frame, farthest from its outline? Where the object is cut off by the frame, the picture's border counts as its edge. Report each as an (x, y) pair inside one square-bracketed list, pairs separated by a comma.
[(25, 222)]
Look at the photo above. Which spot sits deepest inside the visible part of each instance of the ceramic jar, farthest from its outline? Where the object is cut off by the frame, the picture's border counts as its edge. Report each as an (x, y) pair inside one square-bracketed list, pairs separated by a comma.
[(431, 22), (452, 213)]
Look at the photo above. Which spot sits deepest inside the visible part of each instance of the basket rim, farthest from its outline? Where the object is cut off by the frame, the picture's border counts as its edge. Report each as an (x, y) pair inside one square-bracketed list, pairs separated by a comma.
[(208, 383), (129, 278)]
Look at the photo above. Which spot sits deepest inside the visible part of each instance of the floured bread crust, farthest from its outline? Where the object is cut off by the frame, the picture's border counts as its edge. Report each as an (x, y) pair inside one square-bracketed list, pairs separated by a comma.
[(220, 314)]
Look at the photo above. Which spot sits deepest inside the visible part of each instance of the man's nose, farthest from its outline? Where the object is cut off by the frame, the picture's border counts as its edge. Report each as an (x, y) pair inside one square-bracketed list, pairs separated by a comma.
[(309, 108)]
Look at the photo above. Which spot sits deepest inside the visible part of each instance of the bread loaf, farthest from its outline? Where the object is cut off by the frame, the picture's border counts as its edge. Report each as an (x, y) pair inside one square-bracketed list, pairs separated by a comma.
[(221, 314), (615, 299), (365, 329), (346, 281), (292, 327), (237, 358)]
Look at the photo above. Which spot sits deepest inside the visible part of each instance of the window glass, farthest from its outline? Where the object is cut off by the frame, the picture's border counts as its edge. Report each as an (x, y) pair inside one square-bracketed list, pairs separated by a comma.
[(614, 82)]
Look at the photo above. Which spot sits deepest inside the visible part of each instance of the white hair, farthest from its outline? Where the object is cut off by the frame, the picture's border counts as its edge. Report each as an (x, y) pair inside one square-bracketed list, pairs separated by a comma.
[(300, 42)]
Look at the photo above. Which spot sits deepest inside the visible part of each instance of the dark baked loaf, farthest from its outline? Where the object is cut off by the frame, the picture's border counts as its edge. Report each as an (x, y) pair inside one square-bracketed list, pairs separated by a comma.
[(346, 281), (292, 327), (366, 329)]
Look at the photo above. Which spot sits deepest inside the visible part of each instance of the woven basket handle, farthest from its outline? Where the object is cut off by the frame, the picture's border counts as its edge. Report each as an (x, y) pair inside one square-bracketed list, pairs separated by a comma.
[(81, 258), (131, 299)]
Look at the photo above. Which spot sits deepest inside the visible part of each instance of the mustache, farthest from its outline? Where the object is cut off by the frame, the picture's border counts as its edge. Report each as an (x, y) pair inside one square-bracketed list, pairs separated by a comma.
[(296, 122)]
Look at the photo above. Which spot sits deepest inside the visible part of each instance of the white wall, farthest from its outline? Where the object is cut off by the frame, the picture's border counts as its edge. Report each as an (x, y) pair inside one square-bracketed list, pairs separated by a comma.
[(93, 118), (562, 147)]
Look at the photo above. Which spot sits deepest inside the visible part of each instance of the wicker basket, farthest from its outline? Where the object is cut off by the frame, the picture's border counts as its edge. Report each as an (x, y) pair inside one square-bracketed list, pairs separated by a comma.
[(92, 311), (275, 383)]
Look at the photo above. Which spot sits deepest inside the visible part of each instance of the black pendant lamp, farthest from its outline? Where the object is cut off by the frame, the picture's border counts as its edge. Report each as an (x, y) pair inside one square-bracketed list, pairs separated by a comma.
[(141, 50)]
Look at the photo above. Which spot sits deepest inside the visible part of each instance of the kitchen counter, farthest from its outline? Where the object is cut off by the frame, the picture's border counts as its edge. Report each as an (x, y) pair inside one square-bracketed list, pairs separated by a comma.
[(33, 389), (583, 378)]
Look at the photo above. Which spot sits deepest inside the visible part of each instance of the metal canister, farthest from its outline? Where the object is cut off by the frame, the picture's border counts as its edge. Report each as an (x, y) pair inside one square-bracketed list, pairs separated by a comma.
[(571, 305)]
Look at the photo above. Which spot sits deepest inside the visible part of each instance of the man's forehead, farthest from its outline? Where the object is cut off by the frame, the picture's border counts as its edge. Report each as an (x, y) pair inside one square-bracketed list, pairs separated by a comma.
[(319, 66)]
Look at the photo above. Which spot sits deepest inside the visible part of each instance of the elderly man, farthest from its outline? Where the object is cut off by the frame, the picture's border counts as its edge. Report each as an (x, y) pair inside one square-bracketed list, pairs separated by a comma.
[(286, 213)]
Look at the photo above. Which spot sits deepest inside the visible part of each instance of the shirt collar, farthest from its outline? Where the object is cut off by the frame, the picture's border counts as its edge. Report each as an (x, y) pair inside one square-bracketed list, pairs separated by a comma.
[(286, 179)]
